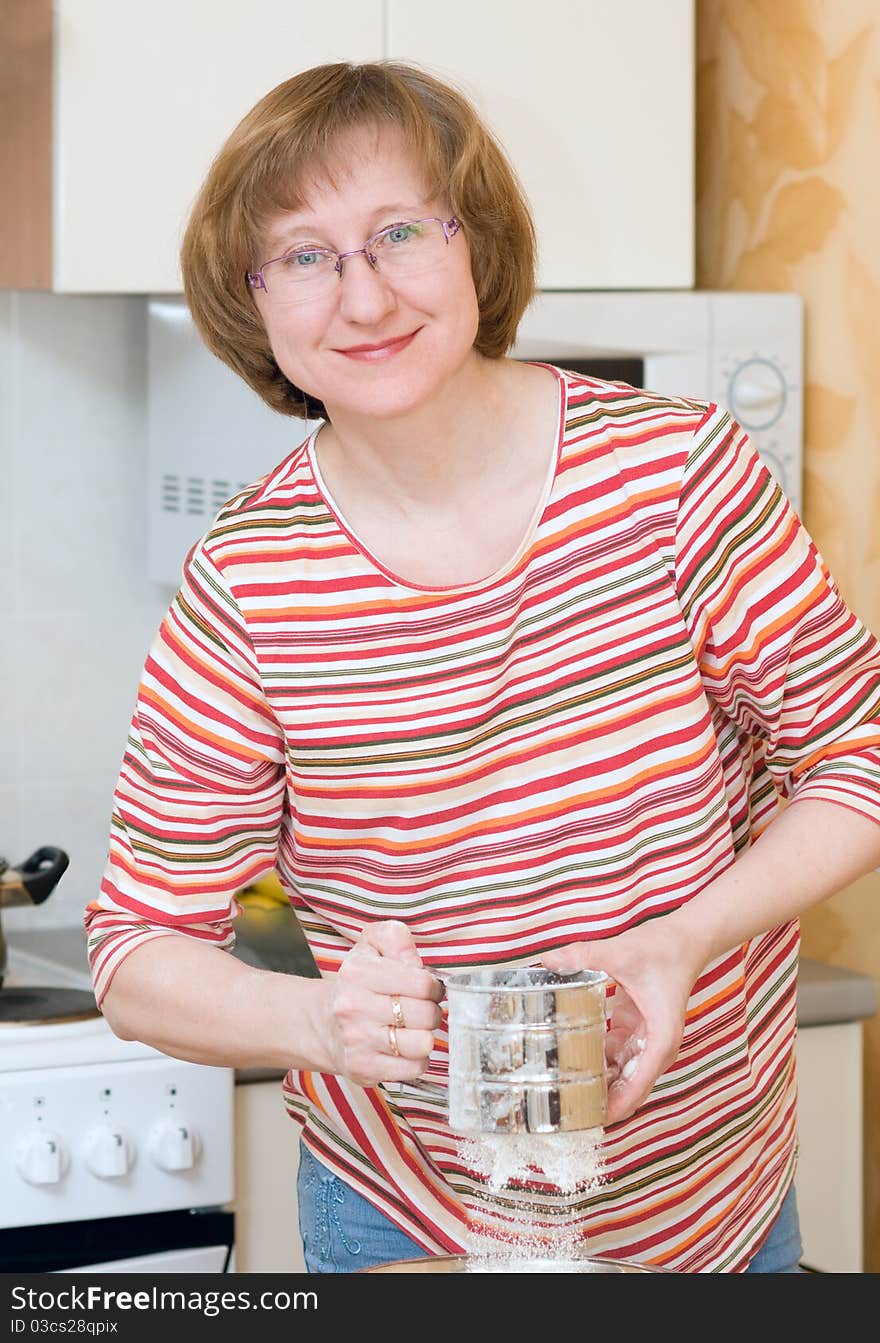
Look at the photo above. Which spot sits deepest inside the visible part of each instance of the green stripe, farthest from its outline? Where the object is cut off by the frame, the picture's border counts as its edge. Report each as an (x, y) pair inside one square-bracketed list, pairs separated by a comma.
[(554, 878)]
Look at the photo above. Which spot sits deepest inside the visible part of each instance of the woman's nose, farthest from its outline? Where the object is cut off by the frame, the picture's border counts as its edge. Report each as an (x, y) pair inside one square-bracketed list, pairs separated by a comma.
[(364, 292)]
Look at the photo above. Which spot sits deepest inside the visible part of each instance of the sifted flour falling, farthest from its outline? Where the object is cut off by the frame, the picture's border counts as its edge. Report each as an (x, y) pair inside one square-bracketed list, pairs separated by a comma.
[(527, 1046), (570, 1161)]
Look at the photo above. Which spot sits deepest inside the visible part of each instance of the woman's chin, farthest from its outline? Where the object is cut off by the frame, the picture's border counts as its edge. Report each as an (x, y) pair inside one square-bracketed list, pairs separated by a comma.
[(384, 399)]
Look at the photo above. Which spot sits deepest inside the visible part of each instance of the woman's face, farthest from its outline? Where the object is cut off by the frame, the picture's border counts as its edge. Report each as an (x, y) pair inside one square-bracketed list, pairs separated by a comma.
[(372, 345)]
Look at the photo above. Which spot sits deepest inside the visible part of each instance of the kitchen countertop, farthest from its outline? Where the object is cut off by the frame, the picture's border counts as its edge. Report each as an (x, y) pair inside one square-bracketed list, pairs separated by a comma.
[(827, 994)]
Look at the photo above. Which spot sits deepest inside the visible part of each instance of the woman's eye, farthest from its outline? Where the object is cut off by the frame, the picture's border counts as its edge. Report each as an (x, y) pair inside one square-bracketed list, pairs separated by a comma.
[(304, 259), (401, 233)]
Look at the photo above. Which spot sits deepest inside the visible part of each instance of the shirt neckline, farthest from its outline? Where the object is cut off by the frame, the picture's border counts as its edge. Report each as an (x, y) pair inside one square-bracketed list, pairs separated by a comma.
[(445, 588)]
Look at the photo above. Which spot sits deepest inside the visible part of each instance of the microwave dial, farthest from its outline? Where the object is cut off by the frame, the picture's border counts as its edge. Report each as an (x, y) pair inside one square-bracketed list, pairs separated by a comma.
[(757, 393)]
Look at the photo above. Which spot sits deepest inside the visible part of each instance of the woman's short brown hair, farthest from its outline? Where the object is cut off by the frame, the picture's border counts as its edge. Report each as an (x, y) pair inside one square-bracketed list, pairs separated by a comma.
[(267, 162)]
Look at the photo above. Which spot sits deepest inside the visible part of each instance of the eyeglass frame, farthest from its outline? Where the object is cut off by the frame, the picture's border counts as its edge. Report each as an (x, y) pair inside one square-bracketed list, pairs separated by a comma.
[(257, 280)]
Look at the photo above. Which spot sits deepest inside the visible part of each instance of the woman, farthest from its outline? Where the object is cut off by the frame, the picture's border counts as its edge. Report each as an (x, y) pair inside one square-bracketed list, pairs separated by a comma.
[(498, 666)]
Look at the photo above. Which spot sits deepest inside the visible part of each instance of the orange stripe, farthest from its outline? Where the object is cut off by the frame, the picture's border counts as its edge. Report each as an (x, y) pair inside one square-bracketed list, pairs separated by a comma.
[(197, 730), (510, 820)]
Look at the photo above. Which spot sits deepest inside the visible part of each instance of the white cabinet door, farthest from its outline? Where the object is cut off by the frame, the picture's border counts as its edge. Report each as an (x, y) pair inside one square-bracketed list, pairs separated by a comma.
[(267, 1238), (145, 94), (830, 1173), (594, 103)]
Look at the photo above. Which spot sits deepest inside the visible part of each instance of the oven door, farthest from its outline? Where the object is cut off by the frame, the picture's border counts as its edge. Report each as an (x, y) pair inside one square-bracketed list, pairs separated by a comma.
[(199, 1240)]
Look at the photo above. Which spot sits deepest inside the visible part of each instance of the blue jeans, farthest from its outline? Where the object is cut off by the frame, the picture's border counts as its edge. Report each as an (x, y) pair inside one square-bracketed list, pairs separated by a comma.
[(342, 1232), (782, 1250)]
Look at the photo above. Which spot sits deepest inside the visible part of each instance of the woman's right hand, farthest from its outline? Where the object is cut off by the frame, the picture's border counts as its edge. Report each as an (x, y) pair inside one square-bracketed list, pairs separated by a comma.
[(383, 965)]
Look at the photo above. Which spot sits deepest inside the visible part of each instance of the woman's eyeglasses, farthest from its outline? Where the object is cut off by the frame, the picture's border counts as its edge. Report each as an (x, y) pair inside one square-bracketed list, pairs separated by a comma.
[(406, 248)]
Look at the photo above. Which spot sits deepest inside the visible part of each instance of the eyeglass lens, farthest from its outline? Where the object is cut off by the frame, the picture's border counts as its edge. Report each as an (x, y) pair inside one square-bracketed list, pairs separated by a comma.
[(405, 248)]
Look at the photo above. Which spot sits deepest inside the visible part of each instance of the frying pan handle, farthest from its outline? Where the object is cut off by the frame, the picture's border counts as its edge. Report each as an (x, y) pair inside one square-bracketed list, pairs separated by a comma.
[(41, 872)]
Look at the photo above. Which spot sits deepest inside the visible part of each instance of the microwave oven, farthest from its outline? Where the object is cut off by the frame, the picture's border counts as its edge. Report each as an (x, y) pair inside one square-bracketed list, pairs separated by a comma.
[(209, 434)]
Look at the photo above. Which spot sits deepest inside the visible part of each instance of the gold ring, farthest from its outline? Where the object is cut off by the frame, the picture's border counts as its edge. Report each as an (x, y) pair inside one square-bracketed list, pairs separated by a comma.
[(392, 1041), (397, 1012)]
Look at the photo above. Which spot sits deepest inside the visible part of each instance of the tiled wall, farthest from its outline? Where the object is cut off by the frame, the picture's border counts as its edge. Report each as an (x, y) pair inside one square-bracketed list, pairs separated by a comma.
[(77, 613), (788, 135)]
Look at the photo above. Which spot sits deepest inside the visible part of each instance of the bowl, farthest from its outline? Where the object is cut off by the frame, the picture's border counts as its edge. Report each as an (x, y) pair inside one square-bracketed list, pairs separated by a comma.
[(466, 1263)]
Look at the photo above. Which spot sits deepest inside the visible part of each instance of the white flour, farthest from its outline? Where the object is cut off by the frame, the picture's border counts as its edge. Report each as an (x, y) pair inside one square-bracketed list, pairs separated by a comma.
[(498, 1046), (569, 1161), (533, 1239)]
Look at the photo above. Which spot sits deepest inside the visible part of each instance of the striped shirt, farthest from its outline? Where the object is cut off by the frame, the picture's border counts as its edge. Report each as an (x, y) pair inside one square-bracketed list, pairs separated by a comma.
[(557, 752)]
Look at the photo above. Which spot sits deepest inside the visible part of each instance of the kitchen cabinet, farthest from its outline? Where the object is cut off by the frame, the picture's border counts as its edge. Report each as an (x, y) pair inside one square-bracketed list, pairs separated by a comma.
[(267, 1236), (829, 1181), (833, 1005), (112, 113), (594, 104)]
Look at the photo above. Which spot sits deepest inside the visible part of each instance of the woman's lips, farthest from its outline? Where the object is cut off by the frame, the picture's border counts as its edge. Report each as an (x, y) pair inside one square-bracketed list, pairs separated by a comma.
[(384, 350)]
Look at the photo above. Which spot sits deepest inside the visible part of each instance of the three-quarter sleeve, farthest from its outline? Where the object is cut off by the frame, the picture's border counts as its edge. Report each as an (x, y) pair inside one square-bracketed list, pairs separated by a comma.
[(199, 798), (778, 648)]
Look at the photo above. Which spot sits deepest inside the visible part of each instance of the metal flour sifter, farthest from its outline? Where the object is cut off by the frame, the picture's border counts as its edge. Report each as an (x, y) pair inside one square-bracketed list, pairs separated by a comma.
[(526, 1050)]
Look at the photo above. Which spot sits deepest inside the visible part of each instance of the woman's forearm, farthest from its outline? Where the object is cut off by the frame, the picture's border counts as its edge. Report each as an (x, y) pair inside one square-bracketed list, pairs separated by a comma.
[(201, 1004), (810, 851)]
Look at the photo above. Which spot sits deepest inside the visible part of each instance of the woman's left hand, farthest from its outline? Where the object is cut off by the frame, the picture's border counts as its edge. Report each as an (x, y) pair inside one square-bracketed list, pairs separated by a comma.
[(653, 969)]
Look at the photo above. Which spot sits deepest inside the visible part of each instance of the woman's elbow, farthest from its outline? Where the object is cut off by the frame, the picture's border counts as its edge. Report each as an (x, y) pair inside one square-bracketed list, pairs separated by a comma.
[(114, 1013)]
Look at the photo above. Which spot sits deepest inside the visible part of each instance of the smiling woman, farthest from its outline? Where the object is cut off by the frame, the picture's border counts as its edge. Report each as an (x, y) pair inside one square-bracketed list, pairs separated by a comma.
[(379, 328), (298, 139), (502, 665)]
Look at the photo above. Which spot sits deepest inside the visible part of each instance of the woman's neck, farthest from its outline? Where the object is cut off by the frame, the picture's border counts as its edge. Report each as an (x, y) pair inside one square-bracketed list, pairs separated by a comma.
[(432, 454), (450, 497)]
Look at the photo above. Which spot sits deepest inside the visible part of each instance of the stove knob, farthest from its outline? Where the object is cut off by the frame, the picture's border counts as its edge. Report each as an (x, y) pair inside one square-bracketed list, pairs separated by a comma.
[(41, 1158), (174, 1145), (107, 1152)]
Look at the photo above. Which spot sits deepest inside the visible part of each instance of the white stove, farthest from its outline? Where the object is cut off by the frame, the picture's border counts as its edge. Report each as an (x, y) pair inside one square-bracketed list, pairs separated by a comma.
[(112, 1155)]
